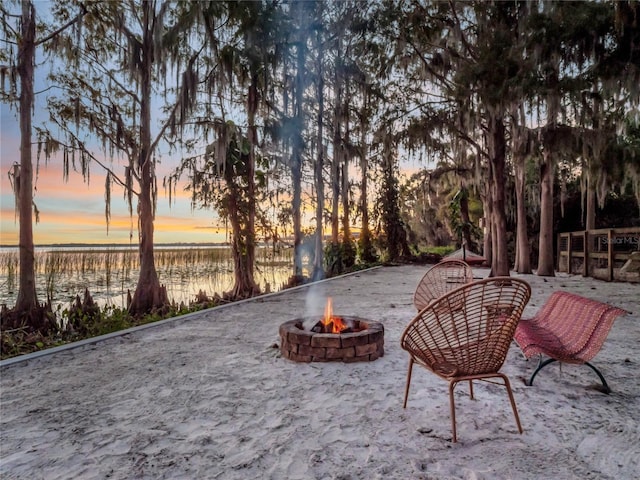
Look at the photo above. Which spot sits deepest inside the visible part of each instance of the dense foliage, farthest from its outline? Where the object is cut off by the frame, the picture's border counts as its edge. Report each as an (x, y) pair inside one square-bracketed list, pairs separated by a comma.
[(504, 107)]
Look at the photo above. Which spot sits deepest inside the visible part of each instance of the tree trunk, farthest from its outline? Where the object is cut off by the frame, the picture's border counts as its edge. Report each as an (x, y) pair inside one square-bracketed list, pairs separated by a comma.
[(335, 197), (590, 220), (244, 285), (241, 205), (335, 165), (499, 253), (488, 237), (346, 227), (389, 215), (296, 202), (467, 241), (149, 294), (27, 298), (346, 218), (396, 237), (296, 163), (365, 243), (241, 245), (523, 262), (545, 253), (249, 252), (318, 268)]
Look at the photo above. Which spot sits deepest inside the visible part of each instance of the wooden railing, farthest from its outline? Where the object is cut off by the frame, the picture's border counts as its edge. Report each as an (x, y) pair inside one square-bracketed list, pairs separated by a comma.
[(599, 253)]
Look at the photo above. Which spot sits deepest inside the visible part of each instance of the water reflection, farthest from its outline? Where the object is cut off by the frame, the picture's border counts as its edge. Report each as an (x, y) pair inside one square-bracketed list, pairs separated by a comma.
[(110, 272)]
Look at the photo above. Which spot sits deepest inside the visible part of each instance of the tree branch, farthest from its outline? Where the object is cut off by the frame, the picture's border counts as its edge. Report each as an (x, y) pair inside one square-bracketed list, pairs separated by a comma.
[(64, 27)]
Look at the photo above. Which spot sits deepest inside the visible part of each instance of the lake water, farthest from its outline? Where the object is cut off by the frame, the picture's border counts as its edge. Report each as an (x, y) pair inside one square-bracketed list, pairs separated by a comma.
[(109, 272)]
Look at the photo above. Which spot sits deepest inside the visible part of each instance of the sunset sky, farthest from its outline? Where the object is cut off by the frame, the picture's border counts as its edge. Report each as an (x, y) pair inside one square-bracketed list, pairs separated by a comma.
[(74, 211)]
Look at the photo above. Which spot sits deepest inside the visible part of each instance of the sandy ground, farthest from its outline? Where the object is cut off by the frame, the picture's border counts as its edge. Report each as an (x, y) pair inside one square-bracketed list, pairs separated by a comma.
[(208, 397)]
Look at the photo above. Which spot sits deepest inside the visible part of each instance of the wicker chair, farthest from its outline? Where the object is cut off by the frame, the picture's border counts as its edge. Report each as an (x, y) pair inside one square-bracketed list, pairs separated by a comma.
[(465, 334), (440, 279)]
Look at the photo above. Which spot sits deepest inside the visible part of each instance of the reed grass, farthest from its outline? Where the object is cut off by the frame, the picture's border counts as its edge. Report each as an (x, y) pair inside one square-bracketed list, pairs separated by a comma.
[(109, 273), (66, 274), (9, 268)]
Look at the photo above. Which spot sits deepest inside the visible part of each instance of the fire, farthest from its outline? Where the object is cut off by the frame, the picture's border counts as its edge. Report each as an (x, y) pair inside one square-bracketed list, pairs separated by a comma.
[(330, 322), (328, 312)]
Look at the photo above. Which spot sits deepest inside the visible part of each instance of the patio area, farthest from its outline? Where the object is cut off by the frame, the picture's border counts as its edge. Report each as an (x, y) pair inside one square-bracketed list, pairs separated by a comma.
[(209, 395)]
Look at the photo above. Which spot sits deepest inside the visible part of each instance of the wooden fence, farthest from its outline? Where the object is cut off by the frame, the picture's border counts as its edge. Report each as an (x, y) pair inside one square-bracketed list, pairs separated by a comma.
[(601, 253)]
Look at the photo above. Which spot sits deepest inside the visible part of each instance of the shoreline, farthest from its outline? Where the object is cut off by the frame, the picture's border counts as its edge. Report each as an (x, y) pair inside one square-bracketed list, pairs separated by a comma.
[(178, 318)]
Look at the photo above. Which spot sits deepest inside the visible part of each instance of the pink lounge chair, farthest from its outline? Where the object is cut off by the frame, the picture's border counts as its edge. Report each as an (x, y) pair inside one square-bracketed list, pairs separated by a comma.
[(568, 328)]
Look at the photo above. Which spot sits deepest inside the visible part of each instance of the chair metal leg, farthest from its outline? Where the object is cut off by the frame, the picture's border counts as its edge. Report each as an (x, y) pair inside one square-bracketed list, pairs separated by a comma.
[(452, 406), (605, 387), (471, 389), (406, 389), (540, 366), (513, 402)]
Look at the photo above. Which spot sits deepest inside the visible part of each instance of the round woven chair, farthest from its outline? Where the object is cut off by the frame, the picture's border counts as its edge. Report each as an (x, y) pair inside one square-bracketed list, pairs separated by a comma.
[(440, 279), (465, 335)]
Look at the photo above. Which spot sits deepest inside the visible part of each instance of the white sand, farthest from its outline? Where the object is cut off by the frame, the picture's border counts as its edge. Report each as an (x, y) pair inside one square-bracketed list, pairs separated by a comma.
[(207, 396)]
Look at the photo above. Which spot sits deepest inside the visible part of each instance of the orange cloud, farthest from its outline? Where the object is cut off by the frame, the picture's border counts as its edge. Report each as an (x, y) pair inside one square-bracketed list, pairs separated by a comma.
[(74, 212)]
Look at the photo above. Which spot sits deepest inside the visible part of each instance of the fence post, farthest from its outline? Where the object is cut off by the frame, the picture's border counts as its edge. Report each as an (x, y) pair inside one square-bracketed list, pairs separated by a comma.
[(559, 250), (569, 253), (610, 255), (585, 263)]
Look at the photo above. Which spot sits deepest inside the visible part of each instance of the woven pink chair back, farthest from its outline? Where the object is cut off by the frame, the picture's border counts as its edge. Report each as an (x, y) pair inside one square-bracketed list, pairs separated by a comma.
[(440, 279), (579, 325), (468, 331)]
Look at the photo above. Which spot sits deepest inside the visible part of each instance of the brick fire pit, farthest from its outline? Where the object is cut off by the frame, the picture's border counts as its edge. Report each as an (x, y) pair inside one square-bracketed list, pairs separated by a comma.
[(364, 344)]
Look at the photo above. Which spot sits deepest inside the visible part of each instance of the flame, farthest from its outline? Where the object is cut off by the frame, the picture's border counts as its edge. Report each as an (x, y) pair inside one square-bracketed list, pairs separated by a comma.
[(337, 325), (328, 312)]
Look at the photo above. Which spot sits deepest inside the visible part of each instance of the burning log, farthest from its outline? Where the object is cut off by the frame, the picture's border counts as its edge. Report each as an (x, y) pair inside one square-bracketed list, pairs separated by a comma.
[(335, 325)]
